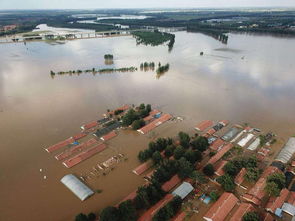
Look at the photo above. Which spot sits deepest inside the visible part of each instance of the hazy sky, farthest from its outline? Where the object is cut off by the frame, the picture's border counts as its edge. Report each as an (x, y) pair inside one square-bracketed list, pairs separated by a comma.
[(88, 4)]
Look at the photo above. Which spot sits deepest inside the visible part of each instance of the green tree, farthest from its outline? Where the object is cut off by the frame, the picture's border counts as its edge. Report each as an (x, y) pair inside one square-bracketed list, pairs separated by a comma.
[(272, 189), (141, 106), (138, 124), (184, 139), (157, 157), (185, 168), (81, 217), (91, 217), (231, 169), (278, 178), (209, 170), (226, 182), (199, 177), (250, 216), (129, 117), (144, 155), (179, 152), (200, 143), (148, 108), (252, 175), (110, 213), (214, 196), (169, 150), (193, 156), (127, 211)]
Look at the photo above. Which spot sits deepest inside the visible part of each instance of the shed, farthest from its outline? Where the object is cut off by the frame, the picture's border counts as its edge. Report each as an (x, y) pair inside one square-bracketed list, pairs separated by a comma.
[(287, 152), (183, 190), (77, 186)]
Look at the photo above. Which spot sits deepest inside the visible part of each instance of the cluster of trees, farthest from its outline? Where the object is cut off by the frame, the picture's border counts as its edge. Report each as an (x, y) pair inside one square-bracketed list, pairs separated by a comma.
[(135, 117), (168, 211), (251, 216), (147, 66), (159, 145), (275, 183), (190, 150), (232, 168), (94, 71), (108, 56), (162, 69), (154, 38), (124, 212), (83, 217)]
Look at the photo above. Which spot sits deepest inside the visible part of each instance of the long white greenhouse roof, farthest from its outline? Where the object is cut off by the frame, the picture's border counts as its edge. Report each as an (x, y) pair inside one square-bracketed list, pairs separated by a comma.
[(76, 186), (287, 152)]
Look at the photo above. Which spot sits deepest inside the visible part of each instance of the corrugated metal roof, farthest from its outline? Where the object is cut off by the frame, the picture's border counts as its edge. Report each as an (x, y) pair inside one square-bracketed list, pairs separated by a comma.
[(287, 152), (288, 208), (183, 190), (76, 186)]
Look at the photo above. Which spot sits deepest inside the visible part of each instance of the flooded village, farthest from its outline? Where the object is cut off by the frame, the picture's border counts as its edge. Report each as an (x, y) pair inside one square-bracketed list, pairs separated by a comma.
[(213, 171)]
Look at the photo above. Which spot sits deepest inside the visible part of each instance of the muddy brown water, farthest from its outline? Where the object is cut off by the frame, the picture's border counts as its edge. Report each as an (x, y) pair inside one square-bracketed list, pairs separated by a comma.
[(249, 80)]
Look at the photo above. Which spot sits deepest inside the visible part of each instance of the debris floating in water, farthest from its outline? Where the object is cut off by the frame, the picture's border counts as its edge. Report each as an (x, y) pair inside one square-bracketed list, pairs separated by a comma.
[(44, 177), (41, 170)]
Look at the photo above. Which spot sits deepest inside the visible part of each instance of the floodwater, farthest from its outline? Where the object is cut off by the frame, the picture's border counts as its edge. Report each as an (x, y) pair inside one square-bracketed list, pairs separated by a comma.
[(249, 80)]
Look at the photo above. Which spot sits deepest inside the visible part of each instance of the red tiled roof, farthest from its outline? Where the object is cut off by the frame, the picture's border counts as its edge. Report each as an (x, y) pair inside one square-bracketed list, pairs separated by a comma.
[(217, 144), (151, 115), (204, 125), (142, 168), (131, 196), (268, 217), (241, 211), (220, 153), (147, 128), (293, 163), (79, 136), (264, 151), (291, 198), (123, 108), (108, 136), (170, 184), (221, 207), (256, 193), (179, 216), (219, 168), (60, 145), (148, 215), (84, 155), (277, 202), (75, 149), (150, 174), (211, 131), (89, 125), (240, 177)]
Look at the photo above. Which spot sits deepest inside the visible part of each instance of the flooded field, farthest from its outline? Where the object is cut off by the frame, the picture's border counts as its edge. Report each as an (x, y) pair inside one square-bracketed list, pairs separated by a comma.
[(250, 80)]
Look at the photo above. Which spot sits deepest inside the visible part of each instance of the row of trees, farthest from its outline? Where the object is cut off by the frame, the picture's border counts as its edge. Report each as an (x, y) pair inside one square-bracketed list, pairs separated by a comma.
[(94, 71), (147, 66)]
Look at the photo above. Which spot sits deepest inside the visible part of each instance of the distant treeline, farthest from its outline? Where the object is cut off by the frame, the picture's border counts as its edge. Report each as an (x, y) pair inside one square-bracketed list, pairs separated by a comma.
[(162, 69), (154, 38), (94, 71)]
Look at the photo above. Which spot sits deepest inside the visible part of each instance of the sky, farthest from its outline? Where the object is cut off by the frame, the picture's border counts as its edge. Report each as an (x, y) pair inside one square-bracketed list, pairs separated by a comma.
[(96, 4)]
